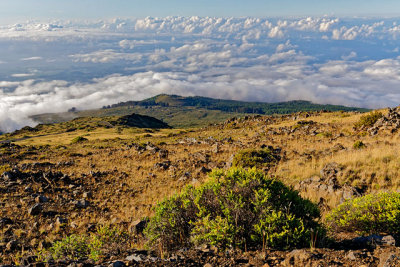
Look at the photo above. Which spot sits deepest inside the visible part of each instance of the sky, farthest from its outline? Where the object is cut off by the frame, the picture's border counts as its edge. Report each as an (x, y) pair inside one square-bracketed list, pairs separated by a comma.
[(13, 10), (55, 55)]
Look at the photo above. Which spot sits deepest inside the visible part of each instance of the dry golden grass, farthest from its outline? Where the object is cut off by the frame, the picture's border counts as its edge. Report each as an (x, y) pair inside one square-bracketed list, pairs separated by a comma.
[(131, 185)]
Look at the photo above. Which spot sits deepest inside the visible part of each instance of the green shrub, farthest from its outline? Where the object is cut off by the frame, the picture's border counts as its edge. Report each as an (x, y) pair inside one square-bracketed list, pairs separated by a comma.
[(78, 139), (358, 145), (259, 158), (236, 208), (370, 214), (368, 120), (105, 240), (73, 247)]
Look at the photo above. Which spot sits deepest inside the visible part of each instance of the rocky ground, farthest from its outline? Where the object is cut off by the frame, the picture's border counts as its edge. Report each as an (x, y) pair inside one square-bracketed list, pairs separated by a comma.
[(50, 189)]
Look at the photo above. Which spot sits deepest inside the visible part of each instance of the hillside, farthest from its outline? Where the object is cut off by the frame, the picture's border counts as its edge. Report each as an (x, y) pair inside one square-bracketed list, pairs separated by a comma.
[(234, 106), (186, 112), (76, 177)]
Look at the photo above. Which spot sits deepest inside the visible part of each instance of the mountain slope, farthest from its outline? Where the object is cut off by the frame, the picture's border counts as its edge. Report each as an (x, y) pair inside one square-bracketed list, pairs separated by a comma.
[(186, 112), (235, 106)]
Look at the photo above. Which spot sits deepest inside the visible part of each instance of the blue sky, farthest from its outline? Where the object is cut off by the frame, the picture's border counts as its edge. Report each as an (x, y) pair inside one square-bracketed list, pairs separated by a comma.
[(21, 10)]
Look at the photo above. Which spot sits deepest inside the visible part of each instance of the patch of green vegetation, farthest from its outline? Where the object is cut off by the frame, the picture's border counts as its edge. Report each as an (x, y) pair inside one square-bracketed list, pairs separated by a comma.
[(370, 214), (368, 120), (74, 247), (5, 168), (78, 139), (358, 145), (325, 134), (260, 158), (236, 208)]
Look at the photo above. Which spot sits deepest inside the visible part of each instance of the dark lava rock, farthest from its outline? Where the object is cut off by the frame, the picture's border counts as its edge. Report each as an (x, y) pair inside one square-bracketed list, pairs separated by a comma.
[(138, 226), (35, 209), (12, 245), (365, 241), (117, 264), (10, 176), (6, 221), (41, 199), (81, 204)]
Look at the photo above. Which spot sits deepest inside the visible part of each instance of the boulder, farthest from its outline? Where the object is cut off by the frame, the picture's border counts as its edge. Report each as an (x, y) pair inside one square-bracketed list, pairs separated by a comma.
[(35, 209)]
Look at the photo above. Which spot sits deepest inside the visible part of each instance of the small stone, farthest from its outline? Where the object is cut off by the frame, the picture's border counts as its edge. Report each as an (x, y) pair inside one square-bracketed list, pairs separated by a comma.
[(41, 199), (81, 204), (61, 221), (388, 241), (87, 194), (215, 148), (12, 245), (351, 256), (204, 170), (138, 226), (28, 189), (8, 176), (6, 221), (117, 264), (135, 258), (35, 209)]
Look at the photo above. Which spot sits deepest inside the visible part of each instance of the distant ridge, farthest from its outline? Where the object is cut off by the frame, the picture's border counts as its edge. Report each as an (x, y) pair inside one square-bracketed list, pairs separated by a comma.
[(165, 100), (194, 111)]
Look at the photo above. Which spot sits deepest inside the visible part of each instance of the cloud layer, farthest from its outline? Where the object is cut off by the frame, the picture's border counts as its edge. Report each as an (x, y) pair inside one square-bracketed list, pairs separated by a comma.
[(55, 66)]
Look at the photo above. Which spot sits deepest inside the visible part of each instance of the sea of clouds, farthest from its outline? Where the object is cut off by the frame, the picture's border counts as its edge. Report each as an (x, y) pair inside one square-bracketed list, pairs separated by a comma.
[(51, 67)]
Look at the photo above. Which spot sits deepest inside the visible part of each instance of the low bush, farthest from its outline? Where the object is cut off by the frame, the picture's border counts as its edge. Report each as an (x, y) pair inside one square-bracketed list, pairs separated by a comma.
[(358, 144), (368, 120), (236, 208), (259, 158), (370, 214), (78, 139), (74, 247)]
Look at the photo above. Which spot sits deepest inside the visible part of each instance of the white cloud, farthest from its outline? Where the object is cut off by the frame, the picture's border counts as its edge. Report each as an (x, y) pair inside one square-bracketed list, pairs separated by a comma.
[(360, 84), (31, 58), (276, 32), (127, 44), (317, 59), (22, 75), (105, 56), (352, 55)]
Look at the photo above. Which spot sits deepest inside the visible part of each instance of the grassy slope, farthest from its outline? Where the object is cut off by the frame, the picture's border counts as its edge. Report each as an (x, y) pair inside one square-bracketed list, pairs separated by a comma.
[(178, 117), (132, 183), (186, 112)]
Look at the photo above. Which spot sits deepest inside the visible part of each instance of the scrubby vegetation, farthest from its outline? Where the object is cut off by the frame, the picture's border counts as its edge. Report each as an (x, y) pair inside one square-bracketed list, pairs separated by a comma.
[(358, 144), (259, 158), (106, 239), (236, 208), (78, 139), (368, 120), (370, 214), (120, 174)]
